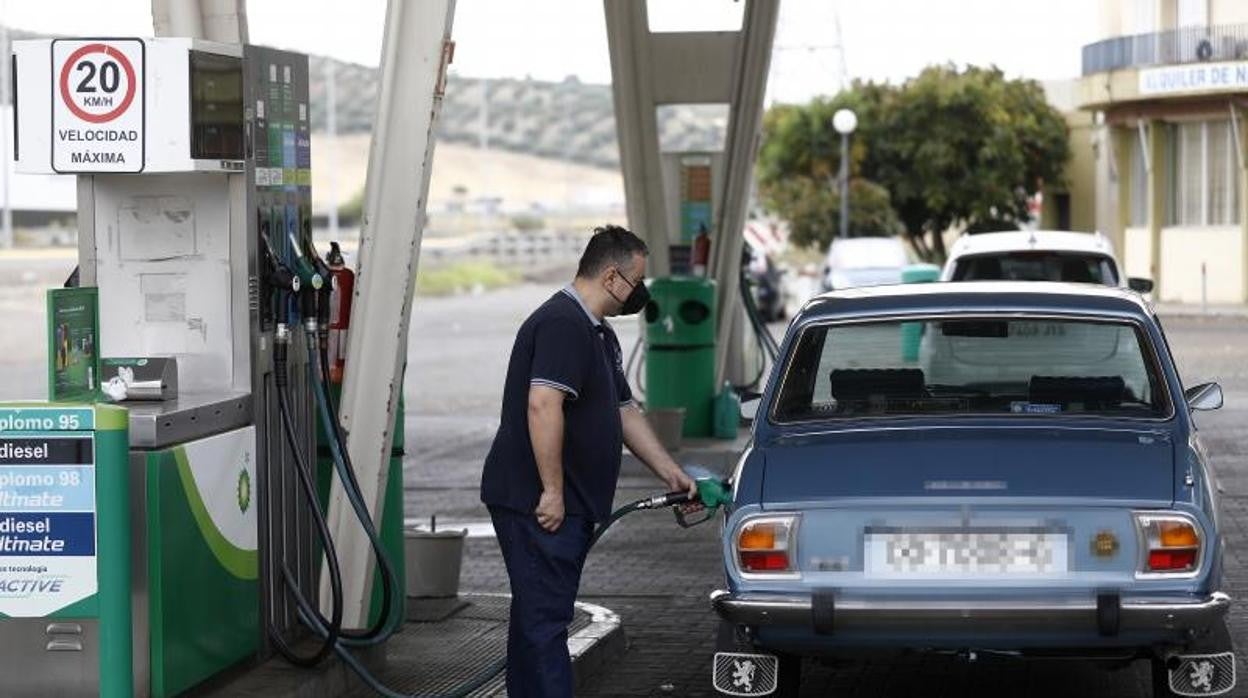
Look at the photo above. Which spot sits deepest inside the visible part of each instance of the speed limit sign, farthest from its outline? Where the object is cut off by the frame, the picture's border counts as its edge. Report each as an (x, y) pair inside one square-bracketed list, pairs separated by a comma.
[(97, 105)]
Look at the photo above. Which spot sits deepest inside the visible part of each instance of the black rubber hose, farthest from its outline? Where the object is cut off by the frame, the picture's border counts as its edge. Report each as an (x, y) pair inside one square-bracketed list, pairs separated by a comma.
[(380, 628), (762, 336), (616, 516), (751, 311), (334, 627)]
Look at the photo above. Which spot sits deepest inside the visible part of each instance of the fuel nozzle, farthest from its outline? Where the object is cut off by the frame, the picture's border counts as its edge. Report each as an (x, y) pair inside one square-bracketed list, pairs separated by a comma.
[(712, 492), (323, 296), (335, 258), (276, 273), (311, 282)]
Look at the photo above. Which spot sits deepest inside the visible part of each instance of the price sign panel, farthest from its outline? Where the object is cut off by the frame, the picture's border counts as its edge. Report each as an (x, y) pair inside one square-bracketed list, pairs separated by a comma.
[(97, 105), (47, 510)]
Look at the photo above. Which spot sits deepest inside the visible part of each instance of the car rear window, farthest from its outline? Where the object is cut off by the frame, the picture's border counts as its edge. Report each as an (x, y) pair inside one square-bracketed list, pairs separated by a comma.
[(1037, 266), (971, 365)]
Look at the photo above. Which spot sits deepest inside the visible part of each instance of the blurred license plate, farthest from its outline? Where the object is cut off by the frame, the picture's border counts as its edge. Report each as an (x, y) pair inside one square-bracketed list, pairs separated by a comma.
[(1037, 329), (964, 554)]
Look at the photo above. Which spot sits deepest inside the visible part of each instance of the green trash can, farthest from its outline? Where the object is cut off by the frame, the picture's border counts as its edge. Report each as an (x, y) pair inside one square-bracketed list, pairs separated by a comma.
[(680, 349), (912, 332)]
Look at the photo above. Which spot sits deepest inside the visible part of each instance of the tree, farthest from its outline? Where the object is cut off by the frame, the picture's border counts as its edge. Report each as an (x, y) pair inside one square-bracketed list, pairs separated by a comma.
[(950, 147), (799, 162), (967, 147), (813, 210)]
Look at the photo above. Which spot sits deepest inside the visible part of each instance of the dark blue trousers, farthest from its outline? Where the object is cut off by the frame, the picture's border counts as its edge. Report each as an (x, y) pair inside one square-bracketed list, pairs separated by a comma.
[(545, 572)]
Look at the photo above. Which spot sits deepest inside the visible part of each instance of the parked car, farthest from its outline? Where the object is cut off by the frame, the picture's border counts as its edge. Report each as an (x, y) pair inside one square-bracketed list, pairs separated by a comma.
[(1038, 255), (1027, 481), (864, 261)]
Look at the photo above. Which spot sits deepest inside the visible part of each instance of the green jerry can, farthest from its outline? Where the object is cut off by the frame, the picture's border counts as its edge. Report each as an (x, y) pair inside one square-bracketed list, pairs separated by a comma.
[(912, 332)]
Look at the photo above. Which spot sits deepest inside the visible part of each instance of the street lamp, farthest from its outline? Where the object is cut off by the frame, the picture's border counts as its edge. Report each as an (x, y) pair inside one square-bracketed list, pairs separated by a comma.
[(844, 121)]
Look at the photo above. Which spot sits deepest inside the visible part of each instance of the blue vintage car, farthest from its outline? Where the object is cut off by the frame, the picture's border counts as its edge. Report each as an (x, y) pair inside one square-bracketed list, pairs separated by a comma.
[(976, 468)]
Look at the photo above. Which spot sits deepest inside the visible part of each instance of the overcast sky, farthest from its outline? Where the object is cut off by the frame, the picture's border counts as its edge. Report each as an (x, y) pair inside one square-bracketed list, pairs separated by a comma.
[(551, 39)]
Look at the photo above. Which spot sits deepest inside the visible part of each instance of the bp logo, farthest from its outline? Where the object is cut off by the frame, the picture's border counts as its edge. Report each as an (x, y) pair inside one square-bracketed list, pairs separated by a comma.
[(244, 491)]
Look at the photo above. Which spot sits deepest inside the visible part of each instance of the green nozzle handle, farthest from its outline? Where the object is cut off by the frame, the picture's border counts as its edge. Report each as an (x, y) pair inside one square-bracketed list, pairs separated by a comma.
[(713, 492), (304, 268)]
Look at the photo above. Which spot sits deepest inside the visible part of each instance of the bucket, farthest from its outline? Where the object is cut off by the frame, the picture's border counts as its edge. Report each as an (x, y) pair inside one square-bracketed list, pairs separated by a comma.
[(668, 423), (433, 562)]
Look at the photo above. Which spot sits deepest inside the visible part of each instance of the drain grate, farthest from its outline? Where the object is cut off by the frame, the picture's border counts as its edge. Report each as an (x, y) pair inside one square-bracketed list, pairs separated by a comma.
[(439, 657)]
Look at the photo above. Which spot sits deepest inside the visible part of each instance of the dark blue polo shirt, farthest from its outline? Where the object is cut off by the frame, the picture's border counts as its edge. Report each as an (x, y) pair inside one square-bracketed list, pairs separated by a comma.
[(563, 346)]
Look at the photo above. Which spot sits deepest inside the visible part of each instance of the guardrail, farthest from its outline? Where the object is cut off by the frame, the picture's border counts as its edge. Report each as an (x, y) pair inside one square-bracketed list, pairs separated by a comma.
[(1225, 42)]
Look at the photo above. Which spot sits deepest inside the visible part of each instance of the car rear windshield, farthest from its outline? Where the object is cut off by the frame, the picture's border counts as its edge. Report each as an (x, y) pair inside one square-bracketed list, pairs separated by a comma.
[(972, 365), (1037, 266)]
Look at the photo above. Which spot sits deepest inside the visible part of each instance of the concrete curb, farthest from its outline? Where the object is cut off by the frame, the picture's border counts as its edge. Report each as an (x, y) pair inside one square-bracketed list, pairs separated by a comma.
[(593, 647)]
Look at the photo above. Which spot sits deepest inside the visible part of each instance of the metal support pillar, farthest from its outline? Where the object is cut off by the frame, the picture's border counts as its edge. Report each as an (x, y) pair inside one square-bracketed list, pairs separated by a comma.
[(745, 119), (215, 20), (415, 53), (636, 124), (649, 70)]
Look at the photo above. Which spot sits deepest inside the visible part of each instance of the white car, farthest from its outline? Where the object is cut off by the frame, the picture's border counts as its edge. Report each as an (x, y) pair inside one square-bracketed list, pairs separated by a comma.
[(864, 261), (1039, 255)]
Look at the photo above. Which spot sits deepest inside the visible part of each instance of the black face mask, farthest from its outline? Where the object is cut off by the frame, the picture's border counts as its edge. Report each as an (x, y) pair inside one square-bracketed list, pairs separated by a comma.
[(636, 300)]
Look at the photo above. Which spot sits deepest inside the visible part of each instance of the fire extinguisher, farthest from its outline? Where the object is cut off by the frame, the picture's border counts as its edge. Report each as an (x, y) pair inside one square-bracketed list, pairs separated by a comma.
[(701, 251), (339, 311)]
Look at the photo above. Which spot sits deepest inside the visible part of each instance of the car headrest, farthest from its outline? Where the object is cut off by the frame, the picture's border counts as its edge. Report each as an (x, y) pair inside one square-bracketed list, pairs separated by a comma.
[(861, 384), (1090, 390), (1076, 270)]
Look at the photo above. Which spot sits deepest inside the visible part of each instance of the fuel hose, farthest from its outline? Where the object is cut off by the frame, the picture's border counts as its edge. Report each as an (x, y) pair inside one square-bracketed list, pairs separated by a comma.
[(383, 626), (333, 628), (309, 615)]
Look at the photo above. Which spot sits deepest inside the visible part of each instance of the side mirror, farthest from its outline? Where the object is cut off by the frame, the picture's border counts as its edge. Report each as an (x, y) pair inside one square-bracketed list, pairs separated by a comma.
[(1206, 396), (749, 405), (1139, 284)]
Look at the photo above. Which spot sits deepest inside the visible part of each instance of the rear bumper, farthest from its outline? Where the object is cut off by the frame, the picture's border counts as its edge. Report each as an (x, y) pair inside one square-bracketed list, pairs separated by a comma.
[(827, 614)]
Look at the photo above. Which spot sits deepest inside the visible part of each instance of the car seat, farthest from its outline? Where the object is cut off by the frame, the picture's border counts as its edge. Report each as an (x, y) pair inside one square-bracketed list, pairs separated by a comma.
[(1092, 392)]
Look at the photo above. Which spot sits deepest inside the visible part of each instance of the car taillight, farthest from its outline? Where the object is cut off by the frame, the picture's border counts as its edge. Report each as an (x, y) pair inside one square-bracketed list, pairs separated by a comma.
[(1171, 543), (765, 545)]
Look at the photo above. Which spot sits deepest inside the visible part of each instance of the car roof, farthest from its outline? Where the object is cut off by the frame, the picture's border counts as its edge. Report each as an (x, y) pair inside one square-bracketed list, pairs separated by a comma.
[(1038, 240), (868, 241), (977, 296)]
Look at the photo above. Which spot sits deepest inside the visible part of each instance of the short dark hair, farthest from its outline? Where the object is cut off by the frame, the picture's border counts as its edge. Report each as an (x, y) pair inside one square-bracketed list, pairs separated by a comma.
[(609, 246)]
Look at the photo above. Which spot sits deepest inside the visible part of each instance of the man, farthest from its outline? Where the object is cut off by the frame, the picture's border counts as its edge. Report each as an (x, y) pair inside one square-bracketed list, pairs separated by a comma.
[(552, 470)]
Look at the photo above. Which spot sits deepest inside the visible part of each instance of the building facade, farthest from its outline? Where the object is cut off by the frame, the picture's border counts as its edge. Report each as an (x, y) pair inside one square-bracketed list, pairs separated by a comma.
[(1167, 93)]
